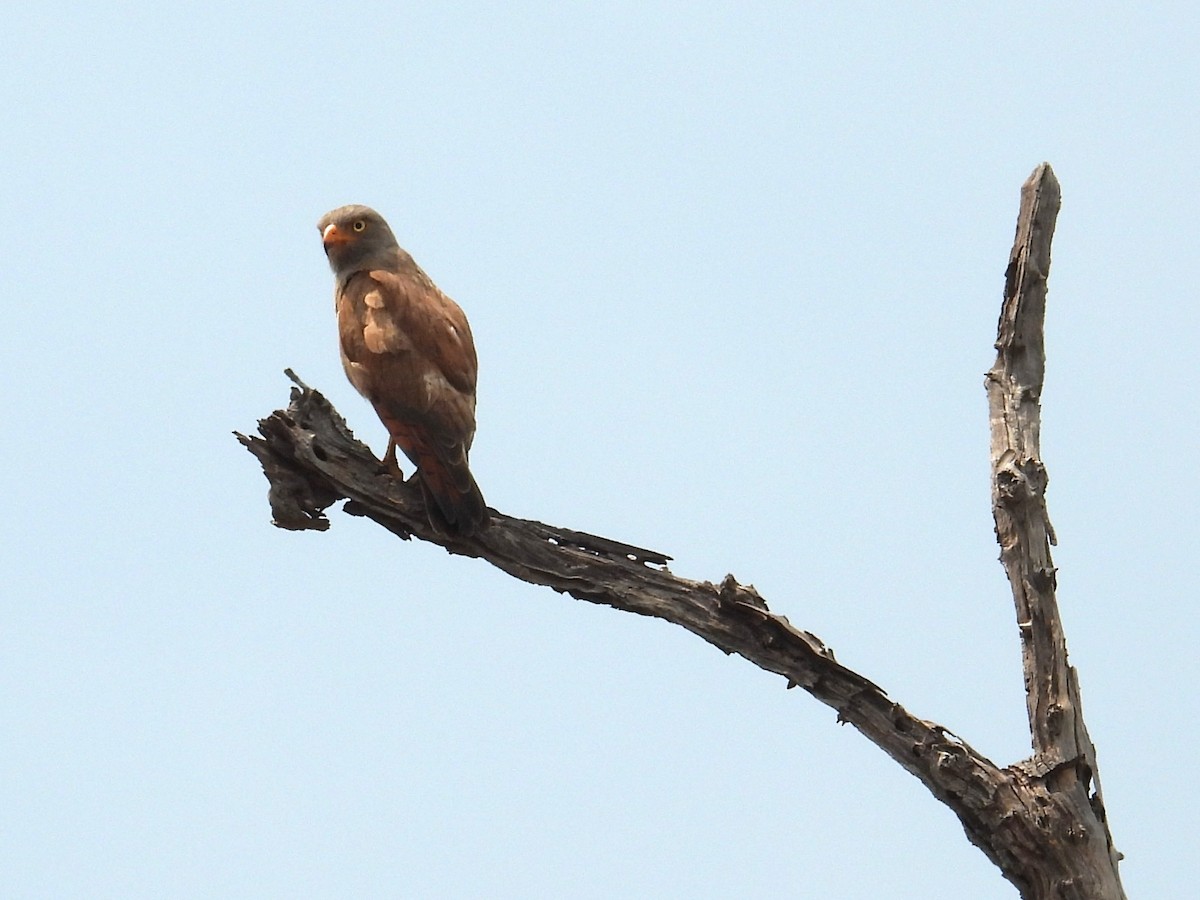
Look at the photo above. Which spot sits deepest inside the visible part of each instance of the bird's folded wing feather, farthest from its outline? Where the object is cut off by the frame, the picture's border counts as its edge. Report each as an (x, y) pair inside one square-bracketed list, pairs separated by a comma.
[(434, 323), (408, 348)]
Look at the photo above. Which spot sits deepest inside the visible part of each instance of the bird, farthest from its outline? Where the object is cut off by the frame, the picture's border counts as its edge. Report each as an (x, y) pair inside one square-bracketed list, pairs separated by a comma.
[(407, 348)]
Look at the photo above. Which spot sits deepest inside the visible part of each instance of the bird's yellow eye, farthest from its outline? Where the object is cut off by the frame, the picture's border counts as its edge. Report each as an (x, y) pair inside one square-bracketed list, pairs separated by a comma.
[(359, 225)]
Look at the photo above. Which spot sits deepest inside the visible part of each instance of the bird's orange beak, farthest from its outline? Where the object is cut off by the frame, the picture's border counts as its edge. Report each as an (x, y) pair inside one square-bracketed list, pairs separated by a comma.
[(333, 235)]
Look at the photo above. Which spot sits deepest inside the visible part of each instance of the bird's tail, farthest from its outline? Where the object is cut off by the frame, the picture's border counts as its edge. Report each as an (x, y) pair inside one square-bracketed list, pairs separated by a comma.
[(453, 501), (452, 498)]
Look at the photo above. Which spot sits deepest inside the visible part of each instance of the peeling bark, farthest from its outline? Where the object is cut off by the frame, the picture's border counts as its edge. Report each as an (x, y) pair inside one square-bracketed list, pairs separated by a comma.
[(1041, 821)]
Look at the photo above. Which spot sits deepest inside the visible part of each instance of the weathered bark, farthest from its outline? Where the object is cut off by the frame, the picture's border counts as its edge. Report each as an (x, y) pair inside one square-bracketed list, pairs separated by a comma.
[(1077, 857), (1036, 820)]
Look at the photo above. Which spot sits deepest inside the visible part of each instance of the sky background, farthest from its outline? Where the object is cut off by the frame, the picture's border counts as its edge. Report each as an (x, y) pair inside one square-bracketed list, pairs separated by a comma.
[(733, 271)]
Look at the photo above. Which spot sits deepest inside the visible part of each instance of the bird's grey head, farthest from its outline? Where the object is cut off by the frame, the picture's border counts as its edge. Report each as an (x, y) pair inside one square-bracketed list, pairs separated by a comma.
[(357, 238)]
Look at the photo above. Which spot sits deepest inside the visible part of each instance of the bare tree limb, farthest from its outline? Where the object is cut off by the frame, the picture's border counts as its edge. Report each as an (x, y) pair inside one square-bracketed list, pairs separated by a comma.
[(1062, 748), (1035, 820)]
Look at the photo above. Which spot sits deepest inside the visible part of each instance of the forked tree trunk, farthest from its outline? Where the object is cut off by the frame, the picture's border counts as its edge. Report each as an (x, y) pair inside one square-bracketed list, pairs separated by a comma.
[(1041, 821)]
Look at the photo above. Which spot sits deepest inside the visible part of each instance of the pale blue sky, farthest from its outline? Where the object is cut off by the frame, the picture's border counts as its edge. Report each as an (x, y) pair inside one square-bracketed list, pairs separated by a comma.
[(733, 272)]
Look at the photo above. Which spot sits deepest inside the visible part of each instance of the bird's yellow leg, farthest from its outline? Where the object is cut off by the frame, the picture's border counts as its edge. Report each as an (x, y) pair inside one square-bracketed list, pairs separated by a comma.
[(389, 460)]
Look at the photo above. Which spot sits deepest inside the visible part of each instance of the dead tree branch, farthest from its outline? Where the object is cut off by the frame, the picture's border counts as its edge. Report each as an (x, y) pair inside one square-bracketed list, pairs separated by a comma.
[(1062, 749), (1036, 820)]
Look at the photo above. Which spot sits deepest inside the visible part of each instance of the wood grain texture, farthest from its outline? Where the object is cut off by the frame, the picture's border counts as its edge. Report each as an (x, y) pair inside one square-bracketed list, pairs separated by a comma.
[(1078, 856)]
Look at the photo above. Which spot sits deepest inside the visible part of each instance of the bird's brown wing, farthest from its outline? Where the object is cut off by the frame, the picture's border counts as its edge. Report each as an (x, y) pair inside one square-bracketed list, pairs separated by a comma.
[(435, 322), (408, 349)]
